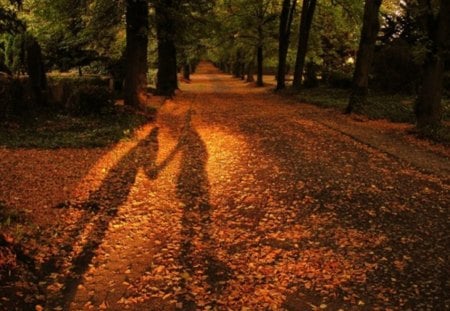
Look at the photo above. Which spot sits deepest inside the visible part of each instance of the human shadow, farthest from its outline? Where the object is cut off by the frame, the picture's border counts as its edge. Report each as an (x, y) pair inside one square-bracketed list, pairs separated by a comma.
[(196, 254), (99, 210)]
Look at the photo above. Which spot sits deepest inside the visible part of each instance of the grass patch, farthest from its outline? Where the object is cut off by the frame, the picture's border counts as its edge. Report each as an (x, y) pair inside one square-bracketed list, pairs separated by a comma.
[(63, 131), (392, 107)]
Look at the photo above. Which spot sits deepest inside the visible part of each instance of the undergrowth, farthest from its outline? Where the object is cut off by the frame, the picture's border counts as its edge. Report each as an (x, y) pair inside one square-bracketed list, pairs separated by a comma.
[(50, 131), (392, 107)]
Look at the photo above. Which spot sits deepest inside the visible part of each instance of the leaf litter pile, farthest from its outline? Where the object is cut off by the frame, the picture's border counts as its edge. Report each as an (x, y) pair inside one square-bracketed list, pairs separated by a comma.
[(234, 199)]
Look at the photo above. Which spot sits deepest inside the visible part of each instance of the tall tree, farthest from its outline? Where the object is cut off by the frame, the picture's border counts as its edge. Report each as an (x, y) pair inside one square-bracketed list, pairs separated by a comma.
[(286, 17), (436, 29), (165, 14), (369, 32), (135, 84), (305, 26)]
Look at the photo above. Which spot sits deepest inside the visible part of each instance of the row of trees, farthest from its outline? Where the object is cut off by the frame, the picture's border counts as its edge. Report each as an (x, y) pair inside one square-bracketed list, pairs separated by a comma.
[(242, 36), (432, 26), (119, 37), (336, 36)]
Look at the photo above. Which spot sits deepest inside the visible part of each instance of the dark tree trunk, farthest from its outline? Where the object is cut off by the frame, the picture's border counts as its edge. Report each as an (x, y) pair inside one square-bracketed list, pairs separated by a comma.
[(286, 17), (305, 27), (311, 75), (237, 65), (135, 84), (167, 81), (369, 32), (187, 71), (260, 60), (428, 107), (36, 72), (242, 70), (250, 67)]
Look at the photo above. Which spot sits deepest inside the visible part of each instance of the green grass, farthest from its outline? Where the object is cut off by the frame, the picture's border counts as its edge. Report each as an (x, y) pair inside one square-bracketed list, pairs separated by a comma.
[(63, 131), (393, 107)]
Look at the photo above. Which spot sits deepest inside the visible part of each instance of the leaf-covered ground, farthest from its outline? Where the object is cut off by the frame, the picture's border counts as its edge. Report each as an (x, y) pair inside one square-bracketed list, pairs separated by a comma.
[(234, 199)]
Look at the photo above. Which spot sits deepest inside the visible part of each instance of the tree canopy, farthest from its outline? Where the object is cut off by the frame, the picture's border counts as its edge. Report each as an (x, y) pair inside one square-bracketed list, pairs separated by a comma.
[(325, 41)]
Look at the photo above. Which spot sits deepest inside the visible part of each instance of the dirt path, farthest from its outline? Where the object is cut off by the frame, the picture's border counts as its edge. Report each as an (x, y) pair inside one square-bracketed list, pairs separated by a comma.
[(237, 199)]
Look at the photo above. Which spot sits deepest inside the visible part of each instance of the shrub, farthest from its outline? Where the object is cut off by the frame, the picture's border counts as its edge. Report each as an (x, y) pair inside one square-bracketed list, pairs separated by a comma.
[(340, 80), (14, 97), (89, 99)]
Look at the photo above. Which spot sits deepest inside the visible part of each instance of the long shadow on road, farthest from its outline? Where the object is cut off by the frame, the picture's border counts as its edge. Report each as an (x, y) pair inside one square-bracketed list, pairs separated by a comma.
[(197, 255), (99, 210)]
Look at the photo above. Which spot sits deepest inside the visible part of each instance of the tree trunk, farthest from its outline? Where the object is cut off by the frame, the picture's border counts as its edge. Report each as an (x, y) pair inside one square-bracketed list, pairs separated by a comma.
[(167, 55), (36, 72), (135, 84), (250, 68), (237, 65), (286, 17), (428, 107), (364, 57), (305, 27), (260, 60), (311, 75), (187, 71)]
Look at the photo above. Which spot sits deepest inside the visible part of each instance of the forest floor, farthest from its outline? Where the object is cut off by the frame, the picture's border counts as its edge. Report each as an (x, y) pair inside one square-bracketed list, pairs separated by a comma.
[(235, 198)]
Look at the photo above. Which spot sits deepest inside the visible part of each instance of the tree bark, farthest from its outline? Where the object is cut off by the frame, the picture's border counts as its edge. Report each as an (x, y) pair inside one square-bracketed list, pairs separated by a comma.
[(286, 17), (306, 19), (364, 57), (135, 84), (250, 67), (237, 65), (187, 71), (36, 71), (260, 60), (428, 107), (167, 81)]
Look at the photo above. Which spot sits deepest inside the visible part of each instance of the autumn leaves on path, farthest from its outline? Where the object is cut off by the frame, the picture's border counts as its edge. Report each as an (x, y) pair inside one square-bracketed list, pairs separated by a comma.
[(237, 199)]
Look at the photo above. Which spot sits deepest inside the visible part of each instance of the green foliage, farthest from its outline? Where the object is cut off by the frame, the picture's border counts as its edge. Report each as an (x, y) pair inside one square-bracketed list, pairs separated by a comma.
[(335, 36), (76, 33), (194, 26), (15, 49), (63, 131), (9, 21), (243, 26)]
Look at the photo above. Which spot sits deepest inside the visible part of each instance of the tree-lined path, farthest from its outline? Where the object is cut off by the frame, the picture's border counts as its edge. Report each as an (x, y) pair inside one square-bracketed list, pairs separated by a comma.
[(237, 199)]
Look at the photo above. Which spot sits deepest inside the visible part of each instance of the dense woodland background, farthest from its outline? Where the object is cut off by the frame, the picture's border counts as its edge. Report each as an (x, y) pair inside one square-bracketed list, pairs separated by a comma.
[(385, 59)]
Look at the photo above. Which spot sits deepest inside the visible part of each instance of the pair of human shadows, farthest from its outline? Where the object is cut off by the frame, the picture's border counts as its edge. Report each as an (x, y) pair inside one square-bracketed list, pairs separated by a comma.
[(100, 209), (193, 191)]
